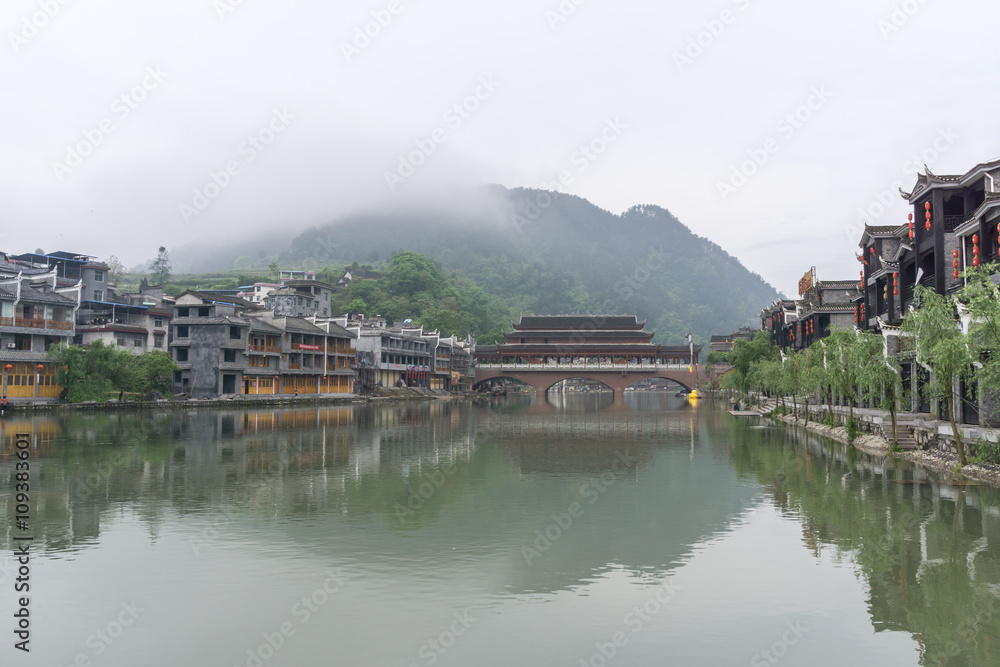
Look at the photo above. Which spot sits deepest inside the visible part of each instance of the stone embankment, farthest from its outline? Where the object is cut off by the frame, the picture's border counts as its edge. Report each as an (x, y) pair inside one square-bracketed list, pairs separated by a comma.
[(935, 450)]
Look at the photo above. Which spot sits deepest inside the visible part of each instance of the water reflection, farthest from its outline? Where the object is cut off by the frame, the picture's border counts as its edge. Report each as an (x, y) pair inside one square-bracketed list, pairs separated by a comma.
[(437, 506)]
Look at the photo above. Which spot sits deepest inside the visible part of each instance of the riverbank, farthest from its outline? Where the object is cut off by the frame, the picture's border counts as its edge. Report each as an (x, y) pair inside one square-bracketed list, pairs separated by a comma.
[(279, 400), (876, 445)]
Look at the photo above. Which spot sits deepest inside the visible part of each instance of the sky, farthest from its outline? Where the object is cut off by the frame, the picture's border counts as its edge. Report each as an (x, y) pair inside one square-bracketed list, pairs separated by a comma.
[(774, 128)]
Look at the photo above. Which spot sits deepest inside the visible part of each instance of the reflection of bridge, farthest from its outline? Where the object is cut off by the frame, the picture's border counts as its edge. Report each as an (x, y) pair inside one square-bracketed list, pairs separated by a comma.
[(541, 377)]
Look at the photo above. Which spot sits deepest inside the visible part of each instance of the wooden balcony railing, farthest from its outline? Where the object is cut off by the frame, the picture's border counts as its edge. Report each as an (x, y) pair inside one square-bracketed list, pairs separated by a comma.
[(35, 323), (294, 366), (265, 349)]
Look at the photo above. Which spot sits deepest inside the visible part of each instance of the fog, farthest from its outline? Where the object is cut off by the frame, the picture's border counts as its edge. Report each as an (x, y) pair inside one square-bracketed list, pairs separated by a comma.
[(767, 127)]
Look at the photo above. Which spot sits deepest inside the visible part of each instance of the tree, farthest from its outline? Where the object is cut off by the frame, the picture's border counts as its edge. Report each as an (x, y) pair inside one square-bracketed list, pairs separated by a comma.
[(944, 349), (116, 274), (273, 267), (159, 271), (879, 376), (358, 305), (97, 371), (745, 355)]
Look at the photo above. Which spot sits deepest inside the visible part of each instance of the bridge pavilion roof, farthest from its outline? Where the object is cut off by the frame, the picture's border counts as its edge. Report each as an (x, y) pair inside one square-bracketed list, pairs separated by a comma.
[(580, 323)]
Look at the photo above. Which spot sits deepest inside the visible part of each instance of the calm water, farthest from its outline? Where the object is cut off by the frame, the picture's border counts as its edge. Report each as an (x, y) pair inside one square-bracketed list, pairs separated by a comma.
[(508, 532)]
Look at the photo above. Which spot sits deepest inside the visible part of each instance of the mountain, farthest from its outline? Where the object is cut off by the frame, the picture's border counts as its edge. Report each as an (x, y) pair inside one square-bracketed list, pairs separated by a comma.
[(550, 253)]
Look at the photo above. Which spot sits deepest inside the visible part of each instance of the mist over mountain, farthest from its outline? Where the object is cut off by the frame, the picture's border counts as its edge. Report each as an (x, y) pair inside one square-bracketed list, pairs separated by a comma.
[(543, 253)]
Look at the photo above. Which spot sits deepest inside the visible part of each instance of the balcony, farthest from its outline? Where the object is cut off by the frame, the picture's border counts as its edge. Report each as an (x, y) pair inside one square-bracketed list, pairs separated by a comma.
[(265, 349), (294, 366), (35, 323), (953, 222)]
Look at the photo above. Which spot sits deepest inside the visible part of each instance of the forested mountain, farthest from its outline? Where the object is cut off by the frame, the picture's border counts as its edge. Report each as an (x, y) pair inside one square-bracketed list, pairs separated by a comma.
[(548, 253)]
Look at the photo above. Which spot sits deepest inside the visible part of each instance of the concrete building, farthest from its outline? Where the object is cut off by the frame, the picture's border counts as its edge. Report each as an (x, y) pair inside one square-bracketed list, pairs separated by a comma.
[(401, 356), (35, 314), (229, 346), (301, 298)]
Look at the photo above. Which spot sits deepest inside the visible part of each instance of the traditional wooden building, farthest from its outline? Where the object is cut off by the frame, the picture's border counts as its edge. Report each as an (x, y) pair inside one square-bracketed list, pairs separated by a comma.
[(582, 340)]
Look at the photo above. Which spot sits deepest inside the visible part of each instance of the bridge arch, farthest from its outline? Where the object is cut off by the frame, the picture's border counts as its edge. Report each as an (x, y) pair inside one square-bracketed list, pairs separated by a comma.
[(543, 379)]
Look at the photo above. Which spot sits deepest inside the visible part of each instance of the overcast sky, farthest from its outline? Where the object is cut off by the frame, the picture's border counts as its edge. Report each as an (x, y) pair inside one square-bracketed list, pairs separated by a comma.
[(117, 114)]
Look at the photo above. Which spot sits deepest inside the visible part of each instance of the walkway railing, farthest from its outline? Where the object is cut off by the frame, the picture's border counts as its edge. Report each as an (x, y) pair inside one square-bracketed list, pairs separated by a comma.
[(606, 366)]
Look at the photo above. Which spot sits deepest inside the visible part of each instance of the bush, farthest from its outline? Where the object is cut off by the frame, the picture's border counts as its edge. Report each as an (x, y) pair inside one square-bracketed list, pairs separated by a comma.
[(986, 452), (852, 429)]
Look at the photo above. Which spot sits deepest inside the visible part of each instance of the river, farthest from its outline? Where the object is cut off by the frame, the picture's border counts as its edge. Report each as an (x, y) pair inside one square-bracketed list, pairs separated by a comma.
[(579, 530)]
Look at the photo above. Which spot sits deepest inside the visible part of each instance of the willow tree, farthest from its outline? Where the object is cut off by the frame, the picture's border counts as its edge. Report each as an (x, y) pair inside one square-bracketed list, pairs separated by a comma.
[(746, 354), (942, 347), (981, 300), (879, 375)]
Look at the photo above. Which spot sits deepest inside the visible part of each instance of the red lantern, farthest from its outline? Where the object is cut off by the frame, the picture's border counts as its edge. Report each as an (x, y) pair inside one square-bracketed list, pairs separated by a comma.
[(975, 260), (956, 274), (975, 250), (975, 239), (927, 206), (954, 263), (8, 367)]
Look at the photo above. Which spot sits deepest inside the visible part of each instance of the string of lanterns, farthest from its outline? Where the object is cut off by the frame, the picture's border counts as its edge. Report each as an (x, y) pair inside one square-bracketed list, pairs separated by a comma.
[(895, 284), (927, 208), (954, 262), (975, 249), (910, 225)]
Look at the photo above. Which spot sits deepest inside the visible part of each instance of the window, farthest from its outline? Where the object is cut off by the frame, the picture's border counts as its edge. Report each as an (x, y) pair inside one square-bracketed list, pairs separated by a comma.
[(98, 295), (234, 333), (22, 342), (98, 276), (229, 356), (182, 331), (183, 312), (137, 342), (158, 322), (158, 340), (121, 341), (204, 311), (300, 300), (182, 354), (260, 362)]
